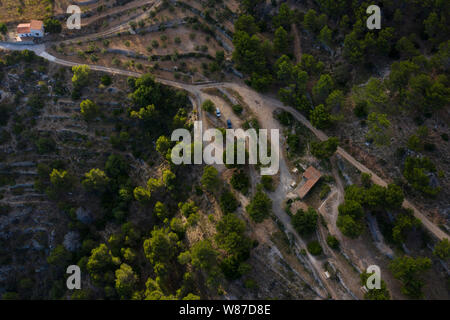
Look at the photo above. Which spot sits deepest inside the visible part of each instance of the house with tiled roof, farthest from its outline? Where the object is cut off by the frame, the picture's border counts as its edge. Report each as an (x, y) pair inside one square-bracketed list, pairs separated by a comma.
[(311, 176), (34, 29)]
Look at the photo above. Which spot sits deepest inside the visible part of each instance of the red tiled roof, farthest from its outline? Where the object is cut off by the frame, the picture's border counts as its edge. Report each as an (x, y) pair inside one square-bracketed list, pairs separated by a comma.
[(36, 24), (24, 28), (312, 175), (27, 27)]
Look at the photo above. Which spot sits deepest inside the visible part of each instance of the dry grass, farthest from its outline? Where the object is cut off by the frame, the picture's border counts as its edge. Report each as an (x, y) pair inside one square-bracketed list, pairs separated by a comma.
[(24, 10)]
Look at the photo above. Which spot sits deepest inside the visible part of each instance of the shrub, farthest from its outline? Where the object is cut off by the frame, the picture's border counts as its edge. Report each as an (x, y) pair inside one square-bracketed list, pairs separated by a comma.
[(237, 108), (228, 202), (332, 242), (305, 222), (89, 109), (314, 248), (267, 182), (260, 206), (106, 80), (240, 181), (208, 106)]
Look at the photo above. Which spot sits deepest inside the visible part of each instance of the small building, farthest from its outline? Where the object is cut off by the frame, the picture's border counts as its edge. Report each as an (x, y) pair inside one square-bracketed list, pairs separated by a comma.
[(312, 176), (34, 29)]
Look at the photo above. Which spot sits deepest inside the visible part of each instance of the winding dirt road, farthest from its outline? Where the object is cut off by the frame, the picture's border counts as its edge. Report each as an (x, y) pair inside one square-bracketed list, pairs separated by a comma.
[(264, 111), (244, 90)]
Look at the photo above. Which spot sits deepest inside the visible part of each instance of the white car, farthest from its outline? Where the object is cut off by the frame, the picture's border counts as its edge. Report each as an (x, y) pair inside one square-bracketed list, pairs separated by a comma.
[(218, 113)]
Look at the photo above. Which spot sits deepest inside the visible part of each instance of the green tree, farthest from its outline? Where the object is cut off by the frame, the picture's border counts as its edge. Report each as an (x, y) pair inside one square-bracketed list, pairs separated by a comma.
[(61, 180), (249, 53), (231, 237), (416, 171), (326, 36), (240, 181), (403, 224), (188, 208), (349, 226), (95, 180), (442, 249), (228, 202), (116, 167), (333, 242), (324, 149), (161, 246), (161, 211), (375, 294), (210, 178), (409, 271), (400, 75), (52, 25), (394, 196), (105, 80), (208, 106), (268, 183), (351, 208), (379, 125), (320, 117), (406, 48), (126, 281), (168, 178), (203, 255), (260, 206), (246, 23), (323, 88), (163, 145), (3, 28), (310, 20), (335, 100), (353, 49), (80, 76), (100, 262), (375, 196), (374, 93), (284, 18), (89, 109), (305, 222), (314, 248), (59, 256), (142, 194), (281, 40)]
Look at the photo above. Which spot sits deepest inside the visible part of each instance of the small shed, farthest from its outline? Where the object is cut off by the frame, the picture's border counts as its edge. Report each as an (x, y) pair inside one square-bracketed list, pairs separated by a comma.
[(311, 177)]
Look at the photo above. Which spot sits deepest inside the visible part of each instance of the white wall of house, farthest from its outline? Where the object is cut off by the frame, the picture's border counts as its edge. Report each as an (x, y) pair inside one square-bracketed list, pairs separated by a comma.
[(37, 33), (33, 33)]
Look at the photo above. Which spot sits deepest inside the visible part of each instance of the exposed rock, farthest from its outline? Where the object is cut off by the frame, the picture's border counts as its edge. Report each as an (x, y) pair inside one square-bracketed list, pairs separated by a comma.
[(84, 215), (72, 241)]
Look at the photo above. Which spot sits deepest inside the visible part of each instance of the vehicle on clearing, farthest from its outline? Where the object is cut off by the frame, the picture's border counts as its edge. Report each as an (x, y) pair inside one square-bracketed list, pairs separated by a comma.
[(217, 112), (229, 124)]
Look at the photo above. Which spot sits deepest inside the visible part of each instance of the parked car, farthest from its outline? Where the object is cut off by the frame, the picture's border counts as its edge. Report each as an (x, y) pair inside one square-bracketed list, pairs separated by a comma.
[(229, 124), (218, 113)]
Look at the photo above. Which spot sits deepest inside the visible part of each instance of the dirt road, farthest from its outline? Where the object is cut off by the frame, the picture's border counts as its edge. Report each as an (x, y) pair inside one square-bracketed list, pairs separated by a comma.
[(264, 110)]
